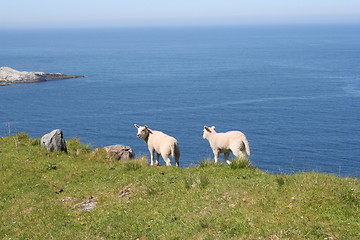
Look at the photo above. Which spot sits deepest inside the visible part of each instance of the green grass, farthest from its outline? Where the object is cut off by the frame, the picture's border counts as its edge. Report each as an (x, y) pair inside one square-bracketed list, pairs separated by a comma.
[(43, 196)]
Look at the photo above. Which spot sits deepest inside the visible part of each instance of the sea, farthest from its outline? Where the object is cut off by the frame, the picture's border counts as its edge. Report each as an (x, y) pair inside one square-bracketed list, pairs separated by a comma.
[(293, 90)]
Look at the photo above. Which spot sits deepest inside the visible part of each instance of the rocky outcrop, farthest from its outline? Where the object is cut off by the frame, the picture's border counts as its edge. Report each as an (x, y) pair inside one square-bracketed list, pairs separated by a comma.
[(120, 152), (9, 76), (54, 141)]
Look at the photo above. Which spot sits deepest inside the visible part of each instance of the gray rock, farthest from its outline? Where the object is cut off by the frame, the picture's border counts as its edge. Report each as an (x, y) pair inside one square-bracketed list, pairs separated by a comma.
[(87, 205), (54, 141), (9, 75), (120, 151)]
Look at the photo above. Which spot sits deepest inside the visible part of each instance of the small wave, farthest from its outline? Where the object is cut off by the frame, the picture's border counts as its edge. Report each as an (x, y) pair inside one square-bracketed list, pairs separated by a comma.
[(352, 89), (230, 103)]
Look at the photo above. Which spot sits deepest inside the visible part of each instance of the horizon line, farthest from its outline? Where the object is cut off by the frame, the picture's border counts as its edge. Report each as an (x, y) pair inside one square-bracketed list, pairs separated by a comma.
[(182, 26)]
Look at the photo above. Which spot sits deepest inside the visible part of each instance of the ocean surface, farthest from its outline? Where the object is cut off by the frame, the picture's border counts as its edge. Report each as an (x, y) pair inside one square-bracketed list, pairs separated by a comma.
[(293, 90)]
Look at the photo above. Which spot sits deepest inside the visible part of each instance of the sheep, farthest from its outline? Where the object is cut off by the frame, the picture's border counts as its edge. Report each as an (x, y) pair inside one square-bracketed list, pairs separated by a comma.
[(163, 144), (233, 141)]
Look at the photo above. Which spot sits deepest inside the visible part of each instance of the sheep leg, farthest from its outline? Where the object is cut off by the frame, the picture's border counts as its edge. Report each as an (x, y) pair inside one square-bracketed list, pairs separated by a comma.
[(166, 159), (177, 155), (151, 157), (226, 157), (157, 159), (216, 155), (177, 161), (237, 152)]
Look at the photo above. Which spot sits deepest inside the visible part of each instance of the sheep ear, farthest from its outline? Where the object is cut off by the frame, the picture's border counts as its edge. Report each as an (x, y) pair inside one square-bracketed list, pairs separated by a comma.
[(137, 126), (207, 129), (147, 128), (213, 127)]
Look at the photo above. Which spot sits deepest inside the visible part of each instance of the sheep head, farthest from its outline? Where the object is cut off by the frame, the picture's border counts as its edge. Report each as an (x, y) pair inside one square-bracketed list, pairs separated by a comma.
[(208, 131), (143, 132)]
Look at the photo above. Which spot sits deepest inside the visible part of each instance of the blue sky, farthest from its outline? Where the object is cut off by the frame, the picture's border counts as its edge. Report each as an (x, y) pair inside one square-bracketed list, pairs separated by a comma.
[(120, 13)]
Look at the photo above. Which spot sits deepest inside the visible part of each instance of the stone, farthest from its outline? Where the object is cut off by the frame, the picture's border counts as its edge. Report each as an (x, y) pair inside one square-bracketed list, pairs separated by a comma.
[(9, 75), (87, 205), (120, 152), (54, 141)]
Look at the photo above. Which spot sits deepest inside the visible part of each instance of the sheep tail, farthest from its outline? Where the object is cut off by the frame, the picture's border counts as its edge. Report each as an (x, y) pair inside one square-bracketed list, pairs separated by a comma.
[(247, 147)]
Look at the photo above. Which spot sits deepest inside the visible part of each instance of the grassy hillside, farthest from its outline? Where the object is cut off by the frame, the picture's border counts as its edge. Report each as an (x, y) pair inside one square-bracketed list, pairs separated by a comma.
[(87, 195)]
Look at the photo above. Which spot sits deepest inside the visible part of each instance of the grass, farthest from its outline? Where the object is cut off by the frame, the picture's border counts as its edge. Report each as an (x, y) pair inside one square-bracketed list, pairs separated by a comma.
[(240, 163), (88, 195)]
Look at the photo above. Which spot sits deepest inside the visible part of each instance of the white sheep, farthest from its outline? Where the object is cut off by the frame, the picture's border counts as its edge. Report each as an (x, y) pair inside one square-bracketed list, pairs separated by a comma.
[(160, 143), (233, 141)]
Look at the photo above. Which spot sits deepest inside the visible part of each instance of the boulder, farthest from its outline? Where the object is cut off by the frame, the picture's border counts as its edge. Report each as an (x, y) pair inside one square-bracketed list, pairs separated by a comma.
[(120, 152), (54, 141)]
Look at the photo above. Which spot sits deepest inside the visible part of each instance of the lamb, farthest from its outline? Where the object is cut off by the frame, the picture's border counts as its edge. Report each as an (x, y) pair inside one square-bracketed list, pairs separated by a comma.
[(233, 141), (160, 143)]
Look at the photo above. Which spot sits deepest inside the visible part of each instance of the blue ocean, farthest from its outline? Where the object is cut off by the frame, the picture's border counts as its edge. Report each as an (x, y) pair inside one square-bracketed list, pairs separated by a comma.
[(294, 91)]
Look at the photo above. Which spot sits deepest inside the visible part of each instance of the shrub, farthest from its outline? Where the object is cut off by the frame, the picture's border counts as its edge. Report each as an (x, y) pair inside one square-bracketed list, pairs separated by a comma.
[(23, 136), (74, 147), (100, 154), (203, 181), (35, 142), (50, 166), (280, 181), (188, 181), (134, 164), (239, 163), (209, 163), (191, 181)]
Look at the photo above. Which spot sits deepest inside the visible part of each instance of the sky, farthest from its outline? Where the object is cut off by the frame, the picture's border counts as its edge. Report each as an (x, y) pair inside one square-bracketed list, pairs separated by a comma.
[(130, 13)]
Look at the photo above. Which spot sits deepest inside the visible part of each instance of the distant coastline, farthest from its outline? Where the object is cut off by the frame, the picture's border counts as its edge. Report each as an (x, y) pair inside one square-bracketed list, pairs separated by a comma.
[(9, 75)]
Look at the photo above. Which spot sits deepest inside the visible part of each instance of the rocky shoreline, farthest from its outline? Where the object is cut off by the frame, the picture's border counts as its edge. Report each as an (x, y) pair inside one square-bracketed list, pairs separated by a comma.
[(9, 75)]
